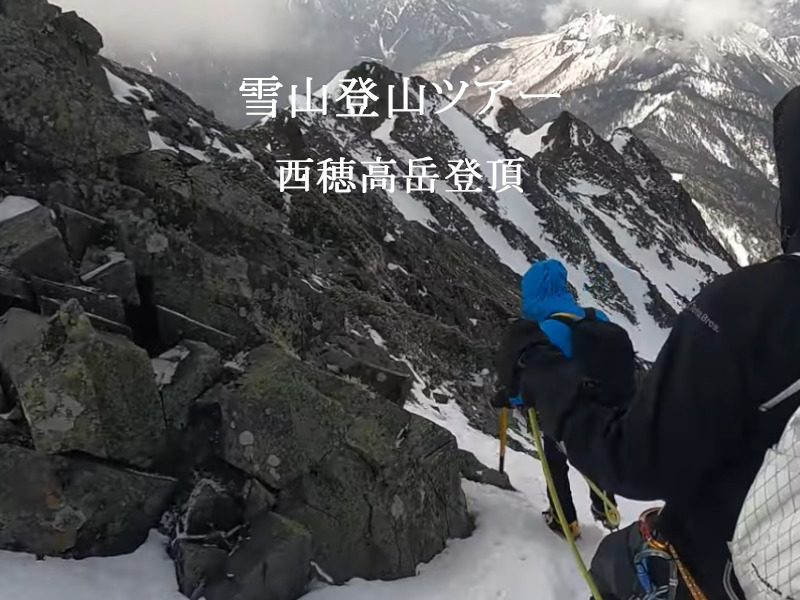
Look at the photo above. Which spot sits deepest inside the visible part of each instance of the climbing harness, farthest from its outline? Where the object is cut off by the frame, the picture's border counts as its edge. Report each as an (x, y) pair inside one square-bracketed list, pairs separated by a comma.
[(653, 547), (537, 439), (664, 592), (503, 438)]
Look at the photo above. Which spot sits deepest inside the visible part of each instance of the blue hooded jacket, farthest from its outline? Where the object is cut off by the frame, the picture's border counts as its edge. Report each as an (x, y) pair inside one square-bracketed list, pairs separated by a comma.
[(544, 292)]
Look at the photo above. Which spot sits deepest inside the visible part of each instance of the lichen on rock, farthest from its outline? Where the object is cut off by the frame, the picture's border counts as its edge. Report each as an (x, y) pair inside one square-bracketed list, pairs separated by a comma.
[(84, 390)]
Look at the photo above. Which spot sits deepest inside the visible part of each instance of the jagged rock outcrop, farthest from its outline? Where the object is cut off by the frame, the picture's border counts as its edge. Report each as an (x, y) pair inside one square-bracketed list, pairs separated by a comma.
[(116, 247), (473, 470), (250, 350), (378, 488)]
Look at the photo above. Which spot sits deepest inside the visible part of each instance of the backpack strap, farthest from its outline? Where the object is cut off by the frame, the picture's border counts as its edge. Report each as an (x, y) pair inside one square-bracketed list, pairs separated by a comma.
[(564, 317), (590, 314)]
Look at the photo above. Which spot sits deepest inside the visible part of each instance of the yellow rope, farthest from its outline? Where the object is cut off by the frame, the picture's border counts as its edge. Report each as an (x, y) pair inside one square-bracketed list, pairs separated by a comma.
[(612, 514), (611, 511), (691, 584), (537, 439), (694, 589)]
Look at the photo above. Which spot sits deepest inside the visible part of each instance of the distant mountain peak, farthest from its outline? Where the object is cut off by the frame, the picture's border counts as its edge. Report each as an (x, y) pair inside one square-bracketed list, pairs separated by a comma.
[(702, 104), (567, 131), (594, 24)]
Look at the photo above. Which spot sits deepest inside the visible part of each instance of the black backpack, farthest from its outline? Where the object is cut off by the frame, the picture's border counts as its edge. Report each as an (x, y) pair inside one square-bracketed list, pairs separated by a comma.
[(605, 354)]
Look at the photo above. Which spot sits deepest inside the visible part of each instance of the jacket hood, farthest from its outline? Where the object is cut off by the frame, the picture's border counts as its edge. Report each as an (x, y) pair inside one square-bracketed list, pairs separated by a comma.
[(544, 291), (786, 140)]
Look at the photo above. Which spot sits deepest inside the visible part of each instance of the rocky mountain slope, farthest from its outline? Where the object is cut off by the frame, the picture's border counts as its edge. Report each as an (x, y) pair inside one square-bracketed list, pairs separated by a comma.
[(608, 208), (704, 107), (184, 344)]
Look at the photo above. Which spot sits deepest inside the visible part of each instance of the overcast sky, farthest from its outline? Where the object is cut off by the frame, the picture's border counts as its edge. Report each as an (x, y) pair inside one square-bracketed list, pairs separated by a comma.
[(242, 26), (207, 42), (184, 25)]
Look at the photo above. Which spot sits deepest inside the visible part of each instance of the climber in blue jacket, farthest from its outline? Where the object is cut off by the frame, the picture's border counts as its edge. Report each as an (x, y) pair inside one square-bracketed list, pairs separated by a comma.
[(547, 300), (544, 293)]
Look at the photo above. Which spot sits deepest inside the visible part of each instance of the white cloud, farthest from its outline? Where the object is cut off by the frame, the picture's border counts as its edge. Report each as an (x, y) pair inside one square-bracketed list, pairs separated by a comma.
[(215, 27), (695, 18)]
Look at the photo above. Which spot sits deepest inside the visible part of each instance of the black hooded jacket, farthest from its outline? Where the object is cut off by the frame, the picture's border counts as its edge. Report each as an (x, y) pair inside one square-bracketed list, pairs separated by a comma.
[(693, 436), (786, 134)]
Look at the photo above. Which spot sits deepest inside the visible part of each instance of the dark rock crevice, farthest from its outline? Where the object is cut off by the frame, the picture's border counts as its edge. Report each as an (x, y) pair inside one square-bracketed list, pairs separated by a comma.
[(143, 318)]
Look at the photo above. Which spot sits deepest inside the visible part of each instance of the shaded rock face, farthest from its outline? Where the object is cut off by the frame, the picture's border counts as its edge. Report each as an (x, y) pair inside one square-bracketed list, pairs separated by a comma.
[(33, 13), (509, 118), (390, 379), (183, 373), (74, 122), (210, 508), (78, 404), (196, 564), (148, 251), (31, 243), (53, 505), (79, 230), (273, 562)]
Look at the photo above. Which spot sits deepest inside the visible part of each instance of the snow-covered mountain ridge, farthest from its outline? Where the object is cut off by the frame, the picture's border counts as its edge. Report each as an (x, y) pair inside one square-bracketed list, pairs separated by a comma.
[(629, 234), (703, 105)]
